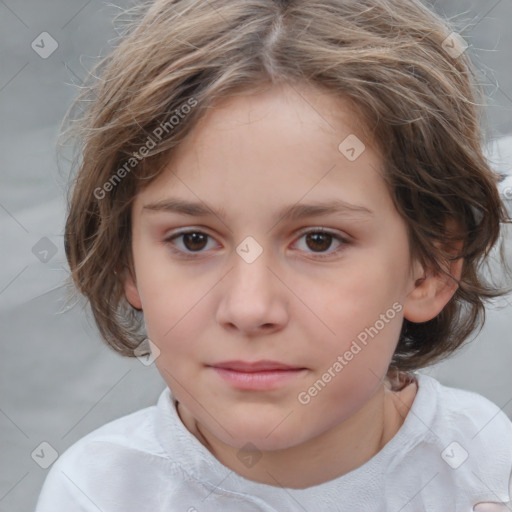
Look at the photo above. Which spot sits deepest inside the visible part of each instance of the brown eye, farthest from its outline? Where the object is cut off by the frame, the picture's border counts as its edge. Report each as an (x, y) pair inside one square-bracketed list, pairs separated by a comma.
[(194, 241), (319, 241)]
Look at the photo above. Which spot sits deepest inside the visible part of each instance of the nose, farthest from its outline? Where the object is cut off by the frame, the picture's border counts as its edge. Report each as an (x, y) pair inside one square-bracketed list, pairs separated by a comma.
[(254, 298)]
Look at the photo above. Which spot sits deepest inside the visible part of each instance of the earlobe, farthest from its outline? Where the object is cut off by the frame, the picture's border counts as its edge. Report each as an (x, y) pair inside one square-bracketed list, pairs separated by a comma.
[(431, 293), (131, 292)]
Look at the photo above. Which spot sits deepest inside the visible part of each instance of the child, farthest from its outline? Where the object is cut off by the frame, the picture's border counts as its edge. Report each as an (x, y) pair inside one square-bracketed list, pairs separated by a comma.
[(261, 128)]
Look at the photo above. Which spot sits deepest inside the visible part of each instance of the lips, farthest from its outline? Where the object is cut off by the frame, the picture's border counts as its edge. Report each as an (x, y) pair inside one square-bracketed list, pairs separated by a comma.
[(258, 375), (253, 367)]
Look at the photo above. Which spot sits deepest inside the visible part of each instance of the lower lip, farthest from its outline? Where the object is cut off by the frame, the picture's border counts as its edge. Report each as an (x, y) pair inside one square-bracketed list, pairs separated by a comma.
[(264, 380)]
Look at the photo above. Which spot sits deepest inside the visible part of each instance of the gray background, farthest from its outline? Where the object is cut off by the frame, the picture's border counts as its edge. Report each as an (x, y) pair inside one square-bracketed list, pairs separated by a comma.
[(58, 381)]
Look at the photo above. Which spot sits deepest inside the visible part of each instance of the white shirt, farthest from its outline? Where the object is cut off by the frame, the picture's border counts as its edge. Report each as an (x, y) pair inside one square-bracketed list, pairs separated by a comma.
[(453, 450)]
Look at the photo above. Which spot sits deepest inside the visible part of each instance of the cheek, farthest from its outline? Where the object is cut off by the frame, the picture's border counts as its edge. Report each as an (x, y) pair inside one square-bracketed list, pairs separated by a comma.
[(352, 366), (355, 298), (167, 300), (177, 311), (363, 310), (163, 287)]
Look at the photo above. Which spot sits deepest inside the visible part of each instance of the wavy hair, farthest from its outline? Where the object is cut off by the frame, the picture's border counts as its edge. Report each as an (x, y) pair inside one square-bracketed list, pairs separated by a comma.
[(419, 103)]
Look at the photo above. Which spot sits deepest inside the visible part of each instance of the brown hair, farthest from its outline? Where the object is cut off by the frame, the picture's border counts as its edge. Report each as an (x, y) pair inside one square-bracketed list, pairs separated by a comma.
[(418, 102)]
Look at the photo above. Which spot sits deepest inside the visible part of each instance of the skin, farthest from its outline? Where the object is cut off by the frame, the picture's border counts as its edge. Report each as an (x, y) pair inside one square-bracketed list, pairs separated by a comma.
[(251, 156)]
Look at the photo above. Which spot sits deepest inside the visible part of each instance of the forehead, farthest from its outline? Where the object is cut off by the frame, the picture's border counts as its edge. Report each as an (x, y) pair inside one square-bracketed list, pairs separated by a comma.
[(294, 106), (278, 145)]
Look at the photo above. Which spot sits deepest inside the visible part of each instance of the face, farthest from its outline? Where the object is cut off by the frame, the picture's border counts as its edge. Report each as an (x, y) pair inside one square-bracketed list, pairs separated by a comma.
[(323, 293)]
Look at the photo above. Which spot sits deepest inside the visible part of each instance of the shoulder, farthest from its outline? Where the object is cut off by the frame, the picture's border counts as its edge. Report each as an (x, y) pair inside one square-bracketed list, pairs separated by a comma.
[(117, 459), (133, 432), (470, 436), (469, 414)]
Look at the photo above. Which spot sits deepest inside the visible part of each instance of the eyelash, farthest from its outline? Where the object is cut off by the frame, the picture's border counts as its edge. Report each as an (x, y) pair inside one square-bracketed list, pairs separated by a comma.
[(192, 255)]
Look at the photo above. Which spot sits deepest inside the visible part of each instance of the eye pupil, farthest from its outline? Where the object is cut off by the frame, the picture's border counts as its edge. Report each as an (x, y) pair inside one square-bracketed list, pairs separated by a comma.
[(317, 237), (194, 238)]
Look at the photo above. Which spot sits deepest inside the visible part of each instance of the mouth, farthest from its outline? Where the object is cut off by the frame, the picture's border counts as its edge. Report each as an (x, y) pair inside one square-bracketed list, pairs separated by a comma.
[(256, 366), (258, 375)]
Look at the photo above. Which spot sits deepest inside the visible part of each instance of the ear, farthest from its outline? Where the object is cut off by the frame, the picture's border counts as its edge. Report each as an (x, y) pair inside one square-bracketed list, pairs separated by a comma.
[(431, 291), (130, 290)]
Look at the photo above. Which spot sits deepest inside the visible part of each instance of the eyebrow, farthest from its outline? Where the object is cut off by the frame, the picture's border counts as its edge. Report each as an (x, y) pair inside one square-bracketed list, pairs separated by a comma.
[(296, 211)]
